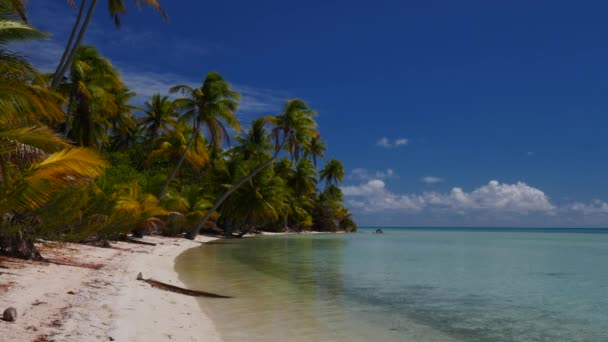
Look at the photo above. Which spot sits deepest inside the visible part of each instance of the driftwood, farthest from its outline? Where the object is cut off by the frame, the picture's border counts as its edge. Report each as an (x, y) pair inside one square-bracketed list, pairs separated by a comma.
[(171, 288), (140, 242)]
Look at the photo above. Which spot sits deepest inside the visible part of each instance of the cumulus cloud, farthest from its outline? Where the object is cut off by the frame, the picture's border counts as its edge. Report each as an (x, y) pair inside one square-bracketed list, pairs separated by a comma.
[(373, 196), (388, 143), (431, 180)]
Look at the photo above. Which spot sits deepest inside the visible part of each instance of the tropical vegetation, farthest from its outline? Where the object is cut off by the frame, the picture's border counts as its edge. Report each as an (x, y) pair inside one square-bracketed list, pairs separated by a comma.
[(82, 160)]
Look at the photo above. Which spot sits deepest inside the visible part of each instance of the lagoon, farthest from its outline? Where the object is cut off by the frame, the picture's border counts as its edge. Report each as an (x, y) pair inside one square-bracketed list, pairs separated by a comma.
[(440, 284)]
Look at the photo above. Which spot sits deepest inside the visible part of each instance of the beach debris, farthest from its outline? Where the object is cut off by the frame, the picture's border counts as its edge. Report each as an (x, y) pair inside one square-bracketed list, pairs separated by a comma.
[(71, 292), (10, 314), (139, 242), (379, 231), (172, 288), (37, 302)]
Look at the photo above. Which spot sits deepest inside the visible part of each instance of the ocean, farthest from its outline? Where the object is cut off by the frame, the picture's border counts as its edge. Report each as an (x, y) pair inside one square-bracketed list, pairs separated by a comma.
[(408, 284)]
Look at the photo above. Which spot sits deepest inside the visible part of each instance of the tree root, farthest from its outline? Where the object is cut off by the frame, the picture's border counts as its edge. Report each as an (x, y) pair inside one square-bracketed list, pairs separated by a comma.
[(171, 288)]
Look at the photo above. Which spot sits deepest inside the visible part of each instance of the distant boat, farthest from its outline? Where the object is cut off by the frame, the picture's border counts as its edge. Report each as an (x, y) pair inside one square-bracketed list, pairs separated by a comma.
[(379, 231)]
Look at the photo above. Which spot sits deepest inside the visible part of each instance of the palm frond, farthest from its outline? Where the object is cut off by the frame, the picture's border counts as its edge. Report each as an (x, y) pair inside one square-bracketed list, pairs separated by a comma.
[(60, 170)]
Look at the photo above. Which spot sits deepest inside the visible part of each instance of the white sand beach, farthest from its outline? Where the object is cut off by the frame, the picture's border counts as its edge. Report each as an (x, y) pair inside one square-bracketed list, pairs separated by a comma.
[(99, 298)]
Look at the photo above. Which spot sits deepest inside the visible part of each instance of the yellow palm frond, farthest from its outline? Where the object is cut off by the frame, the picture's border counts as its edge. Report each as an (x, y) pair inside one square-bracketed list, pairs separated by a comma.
[(19, 100), (60, 170), (20, 137)]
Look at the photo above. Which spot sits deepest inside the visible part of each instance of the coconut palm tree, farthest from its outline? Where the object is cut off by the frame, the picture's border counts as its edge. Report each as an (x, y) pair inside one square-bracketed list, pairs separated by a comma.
[(259, 202), (92, 97), (141, 208), (174, 144), (255, 141), (304, 179), (296, 121), (332, 173), (116, 8), (22, 90), (35, 163), (314, 148), (159, 116), (212, 106), (123, 121)]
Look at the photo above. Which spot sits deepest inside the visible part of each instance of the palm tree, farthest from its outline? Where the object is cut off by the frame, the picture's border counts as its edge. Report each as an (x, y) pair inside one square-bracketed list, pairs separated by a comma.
[(315, 148), (92, 89), (16, 7), (254, 142), (116, 9), (211, 105), (141, 208), (123, 121), (332, 173), (35, 164), (190, 205), (173, 145), (304, 179), (21, 86), (261, 201), (296, 121), (160, 116)]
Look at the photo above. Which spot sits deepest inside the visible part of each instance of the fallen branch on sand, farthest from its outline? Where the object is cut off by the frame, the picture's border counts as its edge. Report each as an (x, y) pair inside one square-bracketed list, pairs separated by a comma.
[(166, 287), (131, 240)]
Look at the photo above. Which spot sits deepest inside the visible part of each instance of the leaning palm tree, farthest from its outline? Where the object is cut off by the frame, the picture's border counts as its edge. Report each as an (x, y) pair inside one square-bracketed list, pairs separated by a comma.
[(159, 116), (332, 173), (212, 106), (296, 121), (116, 9)]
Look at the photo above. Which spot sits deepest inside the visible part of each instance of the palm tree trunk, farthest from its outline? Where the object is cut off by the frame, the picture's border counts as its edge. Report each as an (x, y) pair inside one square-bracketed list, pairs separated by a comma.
[(19, 246), (68, 63), (194, 232), (66, 51), (68, 112)]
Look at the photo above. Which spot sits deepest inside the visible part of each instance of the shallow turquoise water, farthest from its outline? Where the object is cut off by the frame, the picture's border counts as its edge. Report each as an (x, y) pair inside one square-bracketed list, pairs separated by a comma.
[(407, 285)]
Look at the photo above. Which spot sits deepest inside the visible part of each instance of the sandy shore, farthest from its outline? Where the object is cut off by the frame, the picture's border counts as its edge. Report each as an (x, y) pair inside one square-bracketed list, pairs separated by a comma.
[(91, 294)]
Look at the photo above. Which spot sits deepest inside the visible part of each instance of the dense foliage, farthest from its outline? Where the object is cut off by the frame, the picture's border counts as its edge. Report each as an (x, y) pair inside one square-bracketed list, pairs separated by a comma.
[(80, 162)]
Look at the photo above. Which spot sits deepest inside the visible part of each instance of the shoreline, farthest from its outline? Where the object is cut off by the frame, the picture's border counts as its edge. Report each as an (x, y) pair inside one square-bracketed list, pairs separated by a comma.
[(90, 293)]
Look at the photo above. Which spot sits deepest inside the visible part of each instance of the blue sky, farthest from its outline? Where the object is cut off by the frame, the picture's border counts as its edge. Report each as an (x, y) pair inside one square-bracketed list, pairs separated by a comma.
[(444, 113)]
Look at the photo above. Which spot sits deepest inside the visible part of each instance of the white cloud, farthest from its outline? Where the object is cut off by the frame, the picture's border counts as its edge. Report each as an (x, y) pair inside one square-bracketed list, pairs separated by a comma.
[(365, 174), (431, 180), (387, 143), (254, 101), (401, 142), (384, 142), (596, 207), (373, 196)]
